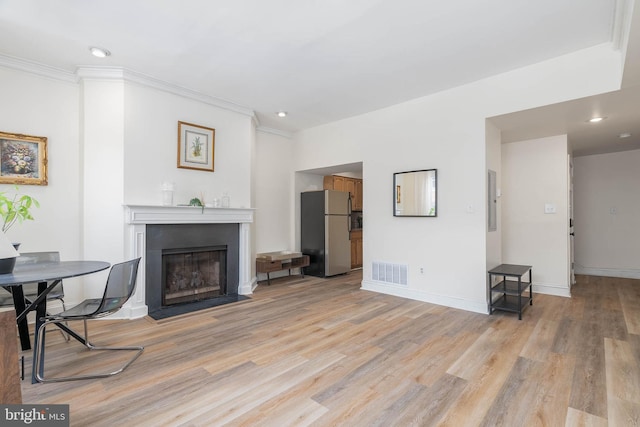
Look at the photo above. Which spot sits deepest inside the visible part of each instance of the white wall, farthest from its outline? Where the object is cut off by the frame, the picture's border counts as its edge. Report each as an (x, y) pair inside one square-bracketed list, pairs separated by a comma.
[(445, 131), (534, 174), (102, 175), (273, 193), (494, 163), (151, 135), (41, 106), (607, 214)]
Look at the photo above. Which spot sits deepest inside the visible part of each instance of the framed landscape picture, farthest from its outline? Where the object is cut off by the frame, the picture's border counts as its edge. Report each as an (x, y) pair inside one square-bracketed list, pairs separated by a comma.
[(23, 159), (196, 146)]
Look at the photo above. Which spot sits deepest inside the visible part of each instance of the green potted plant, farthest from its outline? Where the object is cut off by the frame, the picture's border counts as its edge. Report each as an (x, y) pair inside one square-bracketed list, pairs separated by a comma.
[(13, 208)]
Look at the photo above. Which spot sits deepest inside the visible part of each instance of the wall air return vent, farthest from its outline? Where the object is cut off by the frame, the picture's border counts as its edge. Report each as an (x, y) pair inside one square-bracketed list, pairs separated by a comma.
[(395, 274)]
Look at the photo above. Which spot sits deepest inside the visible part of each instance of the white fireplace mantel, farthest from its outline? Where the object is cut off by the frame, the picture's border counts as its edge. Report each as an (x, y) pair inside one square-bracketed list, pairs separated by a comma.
[(142, 214), (138, 216)]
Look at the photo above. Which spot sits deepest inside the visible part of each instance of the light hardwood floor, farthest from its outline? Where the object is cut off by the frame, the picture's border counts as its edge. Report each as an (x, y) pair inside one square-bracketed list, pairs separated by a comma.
[(325, 353)]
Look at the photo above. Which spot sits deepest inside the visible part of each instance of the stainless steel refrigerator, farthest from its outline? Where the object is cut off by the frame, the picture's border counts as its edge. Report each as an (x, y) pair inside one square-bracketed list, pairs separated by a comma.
[(324, 234)]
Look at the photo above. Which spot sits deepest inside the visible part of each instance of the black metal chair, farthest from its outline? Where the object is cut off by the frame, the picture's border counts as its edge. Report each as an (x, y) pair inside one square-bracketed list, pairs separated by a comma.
[(119, 288)]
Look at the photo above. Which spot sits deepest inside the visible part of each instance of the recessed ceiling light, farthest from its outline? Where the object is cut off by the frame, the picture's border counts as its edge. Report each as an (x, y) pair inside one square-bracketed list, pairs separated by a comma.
[(596, 119), (282, 114), (99, 52), (624, 135)]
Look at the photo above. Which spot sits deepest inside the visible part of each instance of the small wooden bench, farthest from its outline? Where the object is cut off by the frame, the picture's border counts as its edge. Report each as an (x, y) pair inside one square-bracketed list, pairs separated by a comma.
[(269, 262)]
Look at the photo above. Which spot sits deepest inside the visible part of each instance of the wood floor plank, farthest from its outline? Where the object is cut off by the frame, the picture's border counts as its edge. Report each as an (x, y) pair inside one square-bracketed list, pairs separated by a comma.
[(485, 379), (432, 359), (587, 391), (622, 370), (539, 344), (553, 391), (423, 406), (565, 341), (511, 406), (504, 334), (623, 413), (577, 418), (630, 301), (323, 352)]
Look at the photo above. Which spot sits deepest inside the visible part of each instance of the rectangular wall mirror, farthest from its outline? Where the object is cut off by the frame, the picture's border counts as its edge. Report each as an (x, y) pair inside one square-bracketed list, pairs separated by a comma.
[(415, 193)]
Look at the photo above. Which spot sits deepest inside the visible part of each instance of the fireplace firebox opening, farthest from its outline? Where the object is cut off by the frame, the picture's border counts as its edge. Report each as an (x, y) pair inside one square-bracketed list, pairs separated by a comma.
[(193, 274)]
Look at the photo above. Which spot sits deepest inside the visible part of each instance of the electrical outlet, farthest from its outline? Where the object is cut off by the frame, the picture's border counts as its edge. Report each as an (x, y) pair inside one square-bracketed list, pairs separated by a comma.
[(421, 270)]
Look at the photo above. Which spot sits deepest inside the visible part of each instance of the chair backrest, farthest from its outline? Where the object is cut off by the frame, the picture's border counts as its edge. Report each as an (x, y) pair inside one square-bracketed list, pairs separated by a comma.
[(120, 286), (31, 289)]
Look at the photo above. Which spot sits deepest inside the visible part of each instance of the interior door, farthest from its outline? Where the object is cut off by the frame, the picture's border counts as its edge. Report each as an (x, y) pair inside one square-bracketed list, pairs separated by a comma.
[(572, 277)]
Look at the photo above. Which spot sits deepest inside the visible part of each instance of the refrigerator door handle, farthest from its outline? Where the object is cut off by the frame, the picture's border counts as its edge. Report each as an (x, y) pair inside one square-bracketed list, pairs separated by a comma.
[(349, 213)]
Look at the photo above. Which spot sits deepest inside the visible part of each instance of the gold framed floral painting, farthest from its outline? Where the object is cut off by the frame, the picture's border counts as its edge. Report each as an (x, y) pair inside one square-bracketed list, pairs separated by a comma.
[(23, 159), (196, 146)]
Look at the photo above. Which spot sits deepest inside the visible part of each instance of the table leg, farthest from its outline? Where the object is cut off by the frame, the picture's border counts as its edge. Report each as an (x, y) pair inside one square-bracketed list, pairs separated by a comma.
[(23, 325)]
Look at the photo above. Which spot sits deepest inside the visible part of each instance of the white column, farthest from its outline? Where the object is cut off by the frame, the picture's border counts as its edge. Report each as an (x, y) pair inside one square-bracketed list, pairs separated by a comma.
[(102, 141)]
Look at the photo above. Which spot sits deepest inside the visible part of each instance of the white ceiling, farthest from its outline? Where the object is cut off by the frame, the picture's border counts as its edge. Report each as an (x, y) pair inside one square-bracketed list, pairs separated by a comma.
[(320, 61)]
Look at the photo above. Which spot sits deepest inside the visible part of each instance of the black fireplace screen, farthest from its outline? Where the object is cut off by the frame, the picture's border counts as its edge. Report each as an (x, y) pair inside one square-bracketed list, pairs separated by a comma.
[(193, 274)]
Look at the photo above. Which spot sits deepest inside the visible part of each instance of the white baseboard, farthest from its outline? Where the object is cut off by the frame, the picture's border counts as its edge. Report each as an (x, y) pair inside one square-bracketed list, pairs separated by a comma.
[(127, 312), (248, 287), (608, 272), (549, 289), (402, 291)]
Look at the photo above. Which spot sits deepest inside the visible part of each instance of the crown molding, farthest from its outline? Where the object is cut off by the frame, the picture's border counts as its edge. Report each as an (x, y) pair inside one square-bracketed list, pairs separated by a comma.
[(620, 26), (265, 129), (100, 73), (118, 73), (37, 68), (122, 74), (143, 79)]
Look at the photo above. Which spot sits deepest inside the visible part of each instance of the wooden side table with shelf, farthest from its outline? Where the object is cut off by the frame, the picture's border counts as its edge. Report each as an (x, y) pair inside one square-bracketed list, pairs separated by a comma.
[(269, 262), (513, 296)]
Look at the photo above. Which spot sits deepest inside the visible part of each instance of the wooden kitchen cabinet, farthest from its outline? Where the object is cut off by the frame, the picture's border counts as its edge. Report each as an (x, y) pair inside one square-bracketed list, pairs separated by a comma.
[(350, 186), (343, 183), (356, 248), (357, 198), (334, 182)]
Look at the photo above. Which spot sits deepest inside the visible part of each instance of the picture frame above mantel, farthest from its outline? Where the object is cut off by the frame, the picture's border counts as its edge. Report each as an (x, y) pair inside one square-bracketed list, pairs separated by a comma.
[(196, 147), (23, 159)]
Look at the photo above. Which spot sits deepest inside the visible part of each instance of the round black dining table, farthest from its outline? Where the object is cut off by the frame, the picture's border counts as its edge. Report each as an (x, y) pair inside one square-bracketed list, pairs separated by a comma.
[(48, 274)]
